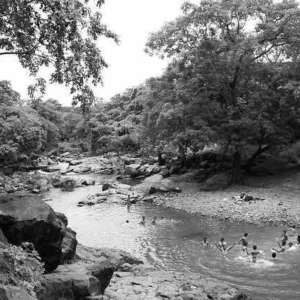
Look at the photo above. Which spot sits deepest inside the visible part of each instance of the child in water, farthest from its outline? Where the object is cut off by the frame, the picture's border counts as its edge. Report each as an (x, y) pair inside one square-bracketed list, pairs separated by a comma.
[(222, 246), (244, 241), (143, 222), (254, 253), (281, 247)]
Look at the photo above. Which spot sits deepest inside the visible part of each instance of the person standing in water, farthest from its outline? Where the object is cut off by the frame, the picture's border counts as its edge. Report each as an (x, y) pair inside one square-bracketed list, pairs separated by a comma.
[(254, 253), (128, 203), (281, 247), (244, 241), (283, 237), (222, 246), (154, 221)]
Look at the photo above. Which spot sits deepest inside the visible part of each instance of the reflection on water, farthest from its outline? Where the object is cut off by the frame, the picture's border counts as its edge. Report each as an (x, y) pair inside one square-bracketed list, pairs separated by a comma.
[(174, 243)]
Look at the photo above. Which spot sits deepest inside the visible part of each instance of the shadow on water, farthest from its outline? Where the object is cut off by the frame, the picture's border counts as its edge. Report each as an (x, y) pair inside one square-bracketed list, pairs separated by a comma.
[(174, 243)]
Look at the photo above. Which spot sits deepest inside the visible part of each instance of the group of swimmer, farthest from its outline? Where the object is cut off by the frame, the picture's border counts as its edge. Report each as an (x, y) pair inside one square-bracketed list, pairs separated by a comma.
[(153, 222), (282, 243)]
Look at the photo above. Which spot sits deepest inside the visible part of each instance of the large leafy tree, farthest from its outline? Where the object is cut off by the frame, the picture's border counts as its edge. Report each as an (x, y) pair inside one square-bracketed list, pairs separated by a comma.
[(58, 33), (231, 53)]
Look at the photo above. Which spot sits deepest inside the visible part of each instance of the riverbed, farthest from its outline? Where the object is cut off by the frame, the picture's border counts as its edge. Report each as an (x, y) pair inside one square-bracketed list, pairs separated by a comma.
[(174, 242)]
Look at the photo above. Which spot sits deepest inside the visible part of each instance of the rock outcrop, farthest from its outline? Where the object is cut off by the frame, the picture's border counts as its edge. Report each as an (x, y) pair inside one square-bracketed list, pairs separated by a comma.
[(88, 274), (30, 219), (142, 284)]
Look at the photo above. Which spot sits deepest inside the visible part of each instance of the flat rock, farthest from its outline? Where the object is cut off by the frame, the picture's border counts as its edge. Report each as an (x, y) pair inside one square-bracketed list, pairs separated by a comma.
[(152, 285)]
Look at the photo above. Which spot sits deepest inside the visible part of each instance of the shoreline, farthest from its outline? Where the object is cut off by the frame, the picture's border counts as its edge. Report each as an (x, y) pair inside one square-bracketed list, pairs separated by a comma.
[(281, 205)]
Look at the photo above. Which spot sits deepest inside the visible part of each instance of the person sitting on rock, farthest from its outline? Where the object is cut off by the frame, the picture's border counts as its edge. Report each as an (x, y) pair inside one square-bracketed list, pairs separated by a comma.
[(222, 246), (143, 222), (154, 221), (283, 236), (244, 241), (281, 247), (254, 253)]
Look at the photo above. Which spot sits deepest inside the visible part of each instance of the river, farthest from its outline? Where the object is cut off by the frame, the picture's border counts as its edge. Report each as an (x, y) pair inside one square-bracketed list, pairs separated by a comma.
[(174, 243)]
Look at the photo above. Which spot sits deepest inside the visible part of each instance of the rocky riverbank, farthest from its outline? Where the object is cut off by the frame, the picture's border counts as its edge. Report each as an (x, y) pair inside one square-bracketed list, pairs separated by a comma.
[(273, 199)]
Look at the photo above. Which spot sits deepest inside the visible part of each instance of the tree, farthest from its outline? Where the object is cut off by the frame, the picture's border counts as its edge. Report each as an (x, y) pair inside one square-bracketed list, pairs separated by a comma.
[(222, 49), (58, 33)]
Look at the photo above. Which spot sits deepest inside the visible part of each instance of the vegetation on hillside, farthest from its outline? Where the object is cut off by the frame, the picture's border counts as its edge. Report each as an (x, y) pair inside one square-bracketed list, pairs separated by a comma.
[(233, 82)]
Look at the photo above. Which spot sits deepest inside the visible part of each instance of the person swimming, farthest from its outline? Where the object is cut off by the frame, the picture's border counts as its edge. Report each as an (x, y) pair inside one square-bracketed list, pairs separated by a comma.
[(281, 247), (143, 222), (205, 242), (222, 246), (274, 255), (154, 221), (244, 241), (254, 253)]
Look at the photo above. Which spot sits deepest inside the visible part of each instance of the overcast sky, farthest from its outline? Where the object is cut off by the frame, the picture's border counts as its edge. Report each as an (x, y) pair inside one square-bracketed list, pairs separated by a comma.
[(132, 20)]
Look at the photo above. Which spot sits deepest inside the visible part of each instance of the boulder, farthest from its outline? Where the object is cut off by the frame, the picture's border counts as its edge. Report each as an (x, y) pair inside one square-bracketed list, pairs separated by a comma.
[(31, 219), (85, 278), (68, 183), (62, 217), (52, 168), (75, 162), (82, 169), (69, 245), (106, 186), (132, 170)]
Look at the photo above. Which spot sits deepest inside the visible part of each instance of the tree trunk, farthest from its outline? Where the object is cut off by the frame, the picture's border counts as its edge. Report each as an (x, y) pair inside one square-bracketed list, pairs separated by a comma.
[(236, 171), (224, 154), (182, 155), (251, 160)]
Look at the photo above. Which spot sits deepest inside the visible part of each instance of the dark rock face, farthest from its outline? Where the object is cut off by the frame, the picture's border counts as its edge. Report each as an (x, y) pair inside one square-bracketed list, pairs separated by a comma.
[(32, 220), (69, 245), (3, 239)]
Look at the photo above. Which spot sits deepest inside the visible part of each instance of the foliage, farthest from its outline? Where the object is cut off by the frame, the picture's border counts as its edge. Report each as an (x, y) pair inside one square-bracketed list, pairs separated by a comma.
[(21, 267), (22, 129), (233, 76), (58, 33)]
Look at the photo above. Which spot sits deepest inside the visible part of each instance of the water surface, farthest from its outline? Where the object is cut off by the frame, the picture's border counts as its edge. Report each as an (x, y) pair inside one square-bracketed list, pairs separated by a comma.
[(174, 243)]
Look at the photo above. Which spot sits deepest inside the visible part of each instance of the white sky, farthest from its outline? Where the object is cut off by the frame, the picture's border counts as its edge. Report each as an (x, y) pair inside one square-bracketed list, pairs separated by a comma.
[(132, 20)]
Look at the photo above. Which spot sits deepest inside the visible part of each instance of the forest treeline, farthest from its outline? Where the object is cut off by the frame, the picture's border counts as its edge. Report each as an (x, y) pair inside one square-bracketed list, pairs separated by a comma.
[(233, 81)]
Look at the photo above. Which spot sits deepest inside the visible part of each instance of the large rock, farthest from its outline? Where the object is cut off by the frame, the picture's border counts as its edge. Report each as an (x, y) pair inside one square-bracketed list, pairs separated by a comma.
[(68, 245), (132, 170), (69, 282), (152, 285), (88, 275), (32, 220)]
